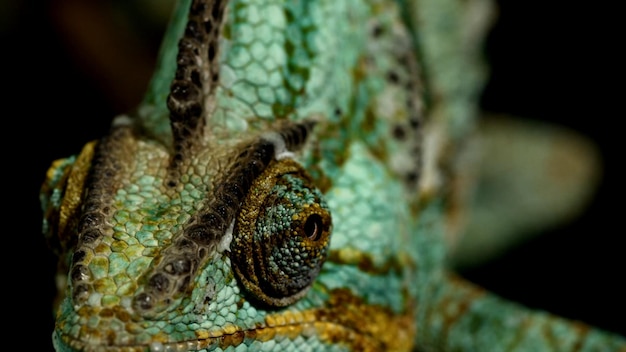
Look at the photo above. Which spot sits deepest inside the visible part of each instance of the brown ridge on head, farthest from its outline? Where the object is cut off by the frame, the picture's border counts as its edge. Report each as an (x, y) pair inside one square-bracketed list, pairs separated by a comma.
[(203, 234), (105, 176), (207, 231), (193, 89)]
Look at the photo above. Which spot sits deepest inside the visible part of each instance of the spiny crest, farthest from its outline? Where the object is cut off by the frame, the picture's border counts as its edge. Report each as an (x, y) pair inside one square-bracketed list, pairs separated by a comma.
[(193, 90), (103, 179), (210, 230)]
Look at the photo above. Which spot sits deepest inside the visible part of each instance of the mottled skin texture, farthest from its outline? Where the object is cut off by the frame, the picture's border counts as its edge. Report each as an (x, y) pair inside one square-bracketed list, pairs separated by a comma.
[(292, 181)]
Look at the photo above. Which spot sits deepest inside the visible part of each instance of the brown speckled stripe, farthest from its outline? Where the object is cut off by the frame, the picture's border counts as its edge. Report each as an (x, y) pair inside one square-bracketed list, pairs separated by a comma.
[(103, 180), (195, 80), (202, 235)]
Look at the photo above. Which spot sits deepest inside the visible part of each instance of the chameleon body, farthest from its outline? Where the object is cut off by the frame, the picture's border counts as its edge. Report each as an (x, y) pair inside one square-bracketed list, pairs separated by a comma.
[(289, 182)]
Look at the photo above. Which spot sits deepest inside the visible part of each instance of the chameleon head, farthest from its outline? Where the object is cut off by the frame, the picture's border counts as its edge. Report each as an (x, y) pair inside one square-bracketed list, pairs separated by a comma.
[(195, 229), (265, 213), (147, 255)]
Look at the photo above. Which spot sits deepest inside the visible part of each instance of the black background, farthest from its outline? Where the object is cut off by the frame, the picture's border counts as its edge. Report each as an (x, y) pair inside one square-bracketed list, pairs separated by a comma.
[(556, 61), (553, 62)]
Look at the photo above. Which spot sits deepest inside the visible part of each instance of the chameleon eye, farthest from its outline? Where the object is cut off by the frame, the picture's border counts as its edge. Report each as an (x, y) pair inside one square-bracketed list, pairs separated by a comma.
[(281, 235)]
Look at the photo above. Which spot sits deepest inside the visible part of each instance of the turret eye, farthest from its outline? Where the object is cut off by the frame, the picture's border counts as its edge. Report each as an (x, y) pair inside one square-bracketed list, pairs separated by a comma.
[(281, 235)]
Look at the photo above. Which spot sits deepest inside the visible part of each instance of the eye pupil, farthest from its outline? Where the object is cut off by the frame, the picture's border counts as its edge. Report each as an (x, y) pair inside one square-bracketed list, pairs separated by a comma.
[(313, 227)]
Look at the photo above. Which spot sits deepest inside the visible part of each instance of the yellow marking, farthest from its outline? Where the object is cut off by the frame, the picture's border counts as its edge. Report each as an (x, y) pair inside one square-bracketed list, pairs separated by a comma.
[(265, 334), (70, 205), (230, 329), (203, 334), (366, 263), (345, 319)]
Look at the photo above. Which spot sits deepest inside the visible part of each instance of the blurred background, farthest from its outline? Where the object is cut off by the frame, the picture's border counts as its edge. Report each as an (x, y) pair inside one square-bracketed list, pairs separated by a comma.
[(70, 66)]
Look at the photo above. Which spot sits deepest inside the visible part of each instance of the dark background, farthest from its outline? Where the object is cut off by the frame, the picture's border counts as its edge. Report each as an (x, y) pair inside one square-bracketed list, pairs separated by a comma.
[(553, 62), (556, 61)]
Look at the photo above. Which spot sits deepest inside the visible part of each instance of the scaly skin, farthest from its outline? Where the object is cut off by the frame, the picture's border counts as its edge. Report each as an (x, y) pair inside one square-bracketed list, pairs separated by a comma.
[(286, 184)]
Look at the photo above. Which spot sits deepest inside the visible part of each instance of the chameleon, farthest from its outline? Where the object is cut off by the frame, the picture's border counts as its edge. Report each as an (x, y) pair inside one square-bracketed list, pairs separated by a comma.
[(295, 178)]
